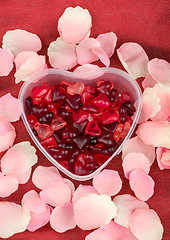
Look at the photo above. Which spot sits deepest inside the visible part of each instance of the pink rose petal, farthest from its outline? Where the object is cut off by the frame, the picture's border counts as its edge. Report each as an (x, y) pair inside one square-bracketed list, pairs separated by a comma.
[(62, 218), (126, 205), (84, 51), (10, 107), (163, 158), (23, 178), (43, 176), (8, 185), (20, 40), (134, 59), (129, 235), (62, 55), (148, 82), (99, 234), (6, 62), (156, 134), (146, 225), (70, 184), (86, 68), (74, 24), (108, 42), (142, 184), (136, 145), (107, 182), (18, 159), (31, 66), (101, 55), (12, 219), (82, 190), (134, 161), (7, 134), (92, 211), (57, 193), (22, 57)]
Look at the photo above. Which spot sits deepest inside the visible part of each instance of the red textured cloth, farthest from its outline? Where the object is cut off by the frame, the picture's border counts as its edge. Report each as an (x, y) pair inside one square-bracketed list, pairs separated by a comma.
[(145, 22)]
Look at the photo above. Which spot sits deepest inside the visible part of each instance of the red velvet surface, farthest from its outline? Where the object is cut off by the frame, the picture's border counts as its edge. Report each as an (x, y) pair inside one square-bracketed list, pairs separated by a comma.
[(145, 22)]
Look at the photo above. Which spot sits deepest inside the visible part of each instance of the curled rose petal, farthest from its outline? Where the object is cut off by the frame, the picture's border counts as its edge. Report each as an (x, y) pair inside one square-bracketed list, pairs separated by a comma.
[(133, 59), (142, 184), (20, 40), (62, 218), (8, 185), (23, 178), (134, 161), (62, 55), (108, 42), (6, 62), (74, 24), (86, 68), (10, 107), (13, 219), (18, 159), (92, 211), (22, 57), (148, 82), (31, 66), (156, 134), (43, 176), (146, 225), (136, 145), (7, 134), (163, 158), (101, 55), (107, 182), (82, 190)]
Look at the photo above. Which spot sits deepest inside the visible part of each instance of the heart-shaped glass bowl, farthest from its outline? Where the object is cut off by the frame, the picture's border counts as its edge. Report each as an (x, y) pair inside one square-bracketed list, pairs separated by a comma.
[(122, 82)]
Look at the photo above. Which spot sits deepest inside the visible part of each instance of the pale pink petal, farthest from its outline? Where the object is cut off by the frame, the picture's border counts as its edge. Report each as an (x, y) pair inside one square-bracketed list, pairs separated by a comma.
[(13, 219), (84, 51), (134, 59), (7, 134), (8, 185), (74, 24), (129, 235), (108, 42), (107, 182), (142, 184), (148, 82), (23, 178), (70, 184), (22, 57), (99, 234), (62, 55), (18, 159), (101, 55), (86, 68), (163, 158), (57, 193), (31, 66), (20, 40), (146, 225), (10, 107), (117, 231), (43, 176), (92, 211), (136, 145), (62, 218), (6, 62), (82, 190), (156, 134), (159, 69), (126, 205), (134, 161)]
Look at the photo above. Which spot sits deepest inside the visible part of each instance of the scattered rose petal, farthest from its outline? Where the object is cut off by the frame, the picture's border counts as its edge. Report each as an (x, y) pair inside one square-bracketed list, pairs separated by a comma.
[(146, 225), (12, 219), (74, 24), (31, 66), (10, 107), (156, 134), (108, 42), (126, 205), (62, 218), (133, 59), (163, 158), (18, 159), (82, 190), (43, 176), (142, 184), (86, 68), (107, 182), (148, 82), (129, 235), (101, 55), (23, 178), (99, 234), (6, 62), (134, 161), (135, 144), (92, 211), (62, 55), (22, 57), (8, 185), (20, 40), (7, 134), (70, 184)]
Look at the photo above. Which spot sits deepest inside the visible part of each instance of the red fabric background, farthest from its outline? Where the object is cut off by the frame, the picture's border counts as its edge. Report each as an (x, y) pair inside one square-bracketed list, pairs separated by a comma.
[(145, 22)]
